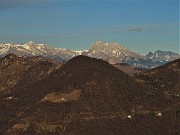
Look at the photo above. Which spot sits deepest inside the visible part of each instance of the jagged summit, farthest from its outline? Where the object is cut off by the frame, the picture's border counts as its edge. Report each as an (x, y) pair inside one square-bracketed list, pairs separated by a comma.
[(111, 52), (32, 49), (161, 56), (30, 43), (109, 45)]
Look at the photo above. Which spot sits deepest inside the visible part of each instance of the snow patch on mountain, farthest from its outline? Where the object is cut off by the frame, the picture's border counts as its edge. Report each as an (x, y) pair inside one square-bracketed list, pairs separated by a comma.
[(112, 52)]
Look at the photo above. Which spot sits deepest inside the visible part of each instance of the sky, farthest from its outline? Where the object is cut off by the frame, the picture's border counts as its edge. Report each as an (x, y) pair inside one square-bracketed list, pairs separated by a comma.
[(139, 25)]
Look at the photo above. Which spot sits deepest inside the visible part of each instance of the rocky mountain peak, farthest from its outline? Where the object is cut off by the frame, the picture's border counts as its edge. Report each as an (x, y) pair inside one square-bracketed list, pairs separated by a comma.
[(30, 43), (106, 45), (109, 51), (149, 55)]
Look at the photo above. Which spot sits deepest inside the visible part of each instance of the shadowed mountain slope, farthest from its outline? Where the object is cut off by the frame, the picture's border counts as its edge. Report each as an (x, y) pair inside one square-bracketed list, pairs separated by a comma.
[(16, 70), (86, 96), (165, 78)]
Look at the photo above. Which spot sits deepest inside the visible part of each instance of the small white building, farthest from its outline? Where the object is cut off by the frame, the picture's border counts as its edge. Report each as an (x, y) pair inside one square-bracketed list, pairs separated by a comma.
[(159, 114), (129, 116), (10, 97)]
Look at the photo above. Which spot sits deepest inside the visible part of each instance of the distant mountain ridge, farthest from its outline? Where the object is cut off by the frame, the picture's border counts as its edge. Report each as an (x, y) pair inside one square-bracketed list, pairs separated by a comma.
[(32, 49), (111, 52)]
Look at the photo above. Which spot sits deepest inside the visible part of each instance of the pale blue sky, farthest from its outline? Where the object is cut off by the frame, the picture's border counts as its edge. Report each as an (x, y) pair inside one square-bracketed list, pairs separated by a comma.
[(140, 25)]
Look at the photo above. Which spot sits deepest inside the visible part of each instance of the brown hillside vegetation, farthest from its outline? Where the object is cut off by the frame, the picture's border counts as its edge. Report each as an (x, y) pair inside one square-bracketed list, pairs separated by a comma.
[(15, 70), (85, 96), (165, 78)]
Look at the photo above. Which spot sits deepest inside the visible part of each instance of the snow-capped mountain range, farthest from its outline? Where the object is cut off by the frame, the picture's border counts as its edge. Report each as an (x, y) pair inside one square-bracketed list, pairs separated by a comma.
[(32, 49), (111, 52)]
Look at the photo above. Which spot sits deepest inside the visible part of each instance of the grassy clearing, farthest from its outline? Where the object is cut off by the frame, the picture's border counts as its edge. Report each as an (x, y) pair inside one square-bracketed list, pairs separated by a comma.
[(63, 97), (19, 126)]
